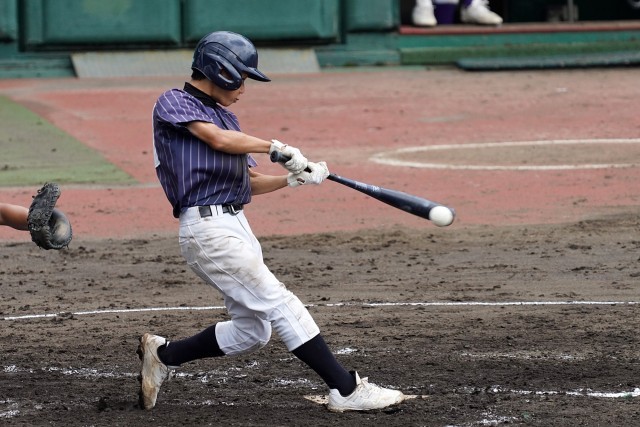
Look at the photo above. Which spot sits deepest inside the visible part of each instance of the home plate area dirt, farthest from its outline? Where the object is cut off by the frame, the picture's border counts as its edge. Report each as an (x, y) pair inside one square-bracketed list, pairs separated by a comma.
[(514, 325)]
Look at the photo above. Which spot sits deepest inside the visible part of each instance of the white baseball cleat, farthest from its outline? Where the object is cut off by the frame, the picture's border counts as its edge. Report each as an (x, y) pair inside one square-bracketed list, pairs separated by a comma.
[(422, 15), (365, 397), (478, 13), (153, 372)]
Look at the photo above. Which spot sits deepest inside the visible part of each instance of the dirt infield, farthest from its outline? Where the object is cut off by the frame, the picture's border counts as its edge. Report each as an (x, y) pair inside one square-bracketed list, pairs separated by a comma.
[(476, 351), (524, 312)]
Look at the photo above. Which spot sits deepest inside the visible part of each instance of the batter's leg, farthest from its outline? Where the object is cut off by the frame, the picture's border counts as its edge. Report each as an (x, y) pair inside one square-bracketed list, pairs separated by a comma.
[(316, 354), (199, 346)]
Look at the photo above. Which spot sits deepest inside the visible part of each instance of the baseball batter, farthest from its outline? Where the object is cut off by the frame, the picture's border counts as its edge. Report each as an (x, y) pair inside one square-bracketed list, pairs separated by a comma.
[(204, 164)]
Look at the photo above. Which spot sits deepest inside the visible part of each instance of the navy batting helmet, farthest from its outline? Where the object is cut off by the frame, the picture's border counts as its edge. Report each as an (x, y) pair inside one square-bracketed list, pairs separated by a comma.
[(224, 50)]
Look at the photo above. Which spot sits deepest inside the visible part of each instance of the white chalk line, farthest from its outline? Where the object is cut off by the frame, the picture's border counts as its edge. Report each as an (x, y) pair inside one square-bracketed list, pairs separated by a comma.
[(222, 376), (387, 157), (339, 304), (14, 409)]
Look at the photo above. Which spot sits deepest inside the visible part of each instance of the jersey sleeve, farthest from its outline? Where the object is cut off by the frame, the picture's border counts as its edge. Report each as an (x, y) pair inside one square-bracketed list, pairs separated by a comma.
[(179, 108)]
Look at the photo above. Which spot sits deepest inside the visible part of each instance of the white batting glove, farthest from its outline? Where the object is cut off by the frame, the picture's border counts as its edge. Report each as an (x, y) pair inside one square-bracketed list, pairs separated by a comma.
[(315, 174), (298, 162)]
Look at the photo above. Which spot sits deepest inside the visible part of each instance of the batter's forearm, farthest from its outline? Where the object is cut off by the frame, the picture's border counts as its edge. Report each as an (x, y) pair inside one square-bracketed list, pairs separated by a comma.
[(228, 141), (235, 142), (262, 184)]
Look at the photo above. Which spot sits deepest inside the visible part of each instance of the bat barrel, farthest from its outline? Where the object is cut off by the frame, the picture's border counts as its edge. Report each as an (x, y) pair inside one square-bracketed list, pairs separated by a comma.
[(442, 216), (409, 203)]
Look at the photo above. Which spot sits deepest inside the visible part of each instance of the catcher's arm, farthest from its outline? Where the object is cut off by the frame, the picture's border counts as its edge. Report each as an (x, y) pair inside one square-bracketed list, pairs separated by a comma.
[(14, 216)]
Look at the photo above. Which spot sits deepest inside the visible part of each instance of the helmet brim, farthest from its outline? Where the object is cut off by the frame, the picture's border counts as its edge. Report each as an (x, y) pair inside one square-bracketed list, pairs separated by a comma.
[(254, 74)]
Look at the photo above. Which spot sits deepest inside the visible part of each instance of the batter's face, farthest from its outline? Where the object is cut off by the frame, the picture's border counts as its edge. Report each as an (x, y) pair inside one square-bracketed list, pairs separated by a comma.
[(226, 97)]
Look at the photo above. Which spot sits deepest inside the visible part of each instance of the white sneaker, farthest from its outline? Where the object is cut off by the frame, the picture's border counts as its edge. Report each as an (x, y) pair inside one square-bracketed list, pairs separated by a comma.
[(478, 13), (423, 16), (153, 372), (365, 397)]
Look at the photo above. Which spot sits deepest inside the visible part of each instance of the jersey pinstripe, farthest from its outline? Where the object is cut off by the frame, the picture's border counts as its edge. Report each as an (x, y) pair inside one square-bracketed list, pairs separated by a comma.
[(190, 171)]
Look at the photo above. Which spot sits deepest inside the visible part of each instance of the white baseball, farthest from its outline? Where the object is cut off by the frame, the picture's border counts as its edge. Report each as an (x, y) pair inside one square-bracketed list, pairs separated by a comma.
[(441, 216)]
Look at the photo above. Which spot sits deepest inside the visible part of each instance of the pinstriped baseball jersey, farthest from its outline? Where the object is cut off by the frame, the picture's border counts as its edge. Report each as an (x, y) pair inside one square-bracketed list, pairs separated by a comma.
[(190, 171)]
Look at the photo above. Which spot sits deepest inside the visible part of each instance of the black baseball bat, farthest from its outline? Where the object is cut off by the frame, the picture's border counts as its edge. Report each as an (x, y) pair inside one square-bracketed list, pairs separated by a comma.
[(441, 216)]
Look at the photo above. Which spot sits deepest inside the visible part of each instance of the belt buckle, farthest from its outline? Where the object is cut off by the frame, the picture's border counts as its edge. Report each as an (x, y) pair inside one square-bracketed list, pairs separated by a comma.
[(232, 210), (204, 211)]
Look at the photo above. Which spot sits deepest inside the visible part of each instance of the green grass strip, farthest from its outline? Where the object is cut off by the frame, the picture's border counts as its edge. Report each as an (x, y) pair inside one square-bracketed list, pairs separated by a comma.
[(33, 151)]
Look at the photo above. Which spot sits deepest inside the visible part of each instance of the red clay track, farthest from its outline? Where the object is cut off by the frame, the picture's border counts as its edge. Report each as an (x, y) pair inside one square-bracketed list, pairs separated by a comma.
[(345, 118)]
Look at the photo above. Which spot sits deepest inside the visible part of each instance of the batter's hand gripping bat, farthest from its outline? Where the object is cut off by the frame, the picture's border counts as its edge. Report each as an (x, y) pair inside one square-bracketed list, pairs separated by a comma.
[(440, 215)]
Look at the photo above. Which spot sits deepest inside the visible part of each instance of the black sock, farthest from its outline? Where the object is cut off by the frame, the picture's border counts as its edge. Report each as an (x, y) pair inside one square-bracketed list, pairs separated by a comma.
[(316, 354), (199, 346)]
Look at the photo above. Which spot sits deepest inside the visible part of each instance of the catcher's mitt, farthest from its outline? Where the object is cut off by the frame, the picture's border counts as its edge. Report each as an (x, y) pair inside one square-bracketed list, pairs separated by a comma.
[(49, 227)]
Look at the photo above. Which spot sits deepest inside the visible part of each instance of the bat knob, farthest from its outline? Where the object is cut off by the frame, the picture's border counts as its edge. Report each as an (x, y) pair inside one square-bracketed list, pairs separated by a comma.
[(278, 157)]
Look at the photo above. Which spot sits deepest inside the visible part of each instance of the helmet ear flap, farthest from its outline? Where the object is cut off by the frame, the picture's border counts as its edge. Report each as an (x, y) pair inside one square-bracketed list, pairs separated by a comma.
[(214, 72)]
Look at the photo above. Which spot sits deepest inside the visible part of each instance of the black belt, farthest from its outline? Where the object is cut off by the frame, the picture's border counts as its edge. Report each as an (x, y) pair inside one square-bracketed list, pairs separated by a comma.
[(205, 211)]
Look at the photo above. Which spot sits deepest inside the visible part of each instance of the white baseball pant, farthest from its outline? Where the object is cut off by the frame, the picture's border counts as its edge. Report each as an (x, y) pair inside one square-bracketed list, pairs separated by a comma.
[(223, 251)]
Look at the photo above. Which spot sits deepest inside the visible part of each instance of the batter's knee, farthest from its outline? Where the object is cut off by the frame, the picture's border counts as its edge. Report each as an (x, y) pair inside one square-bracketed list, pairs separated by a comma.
[(237, 338), (259, 337), (293, 322)]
